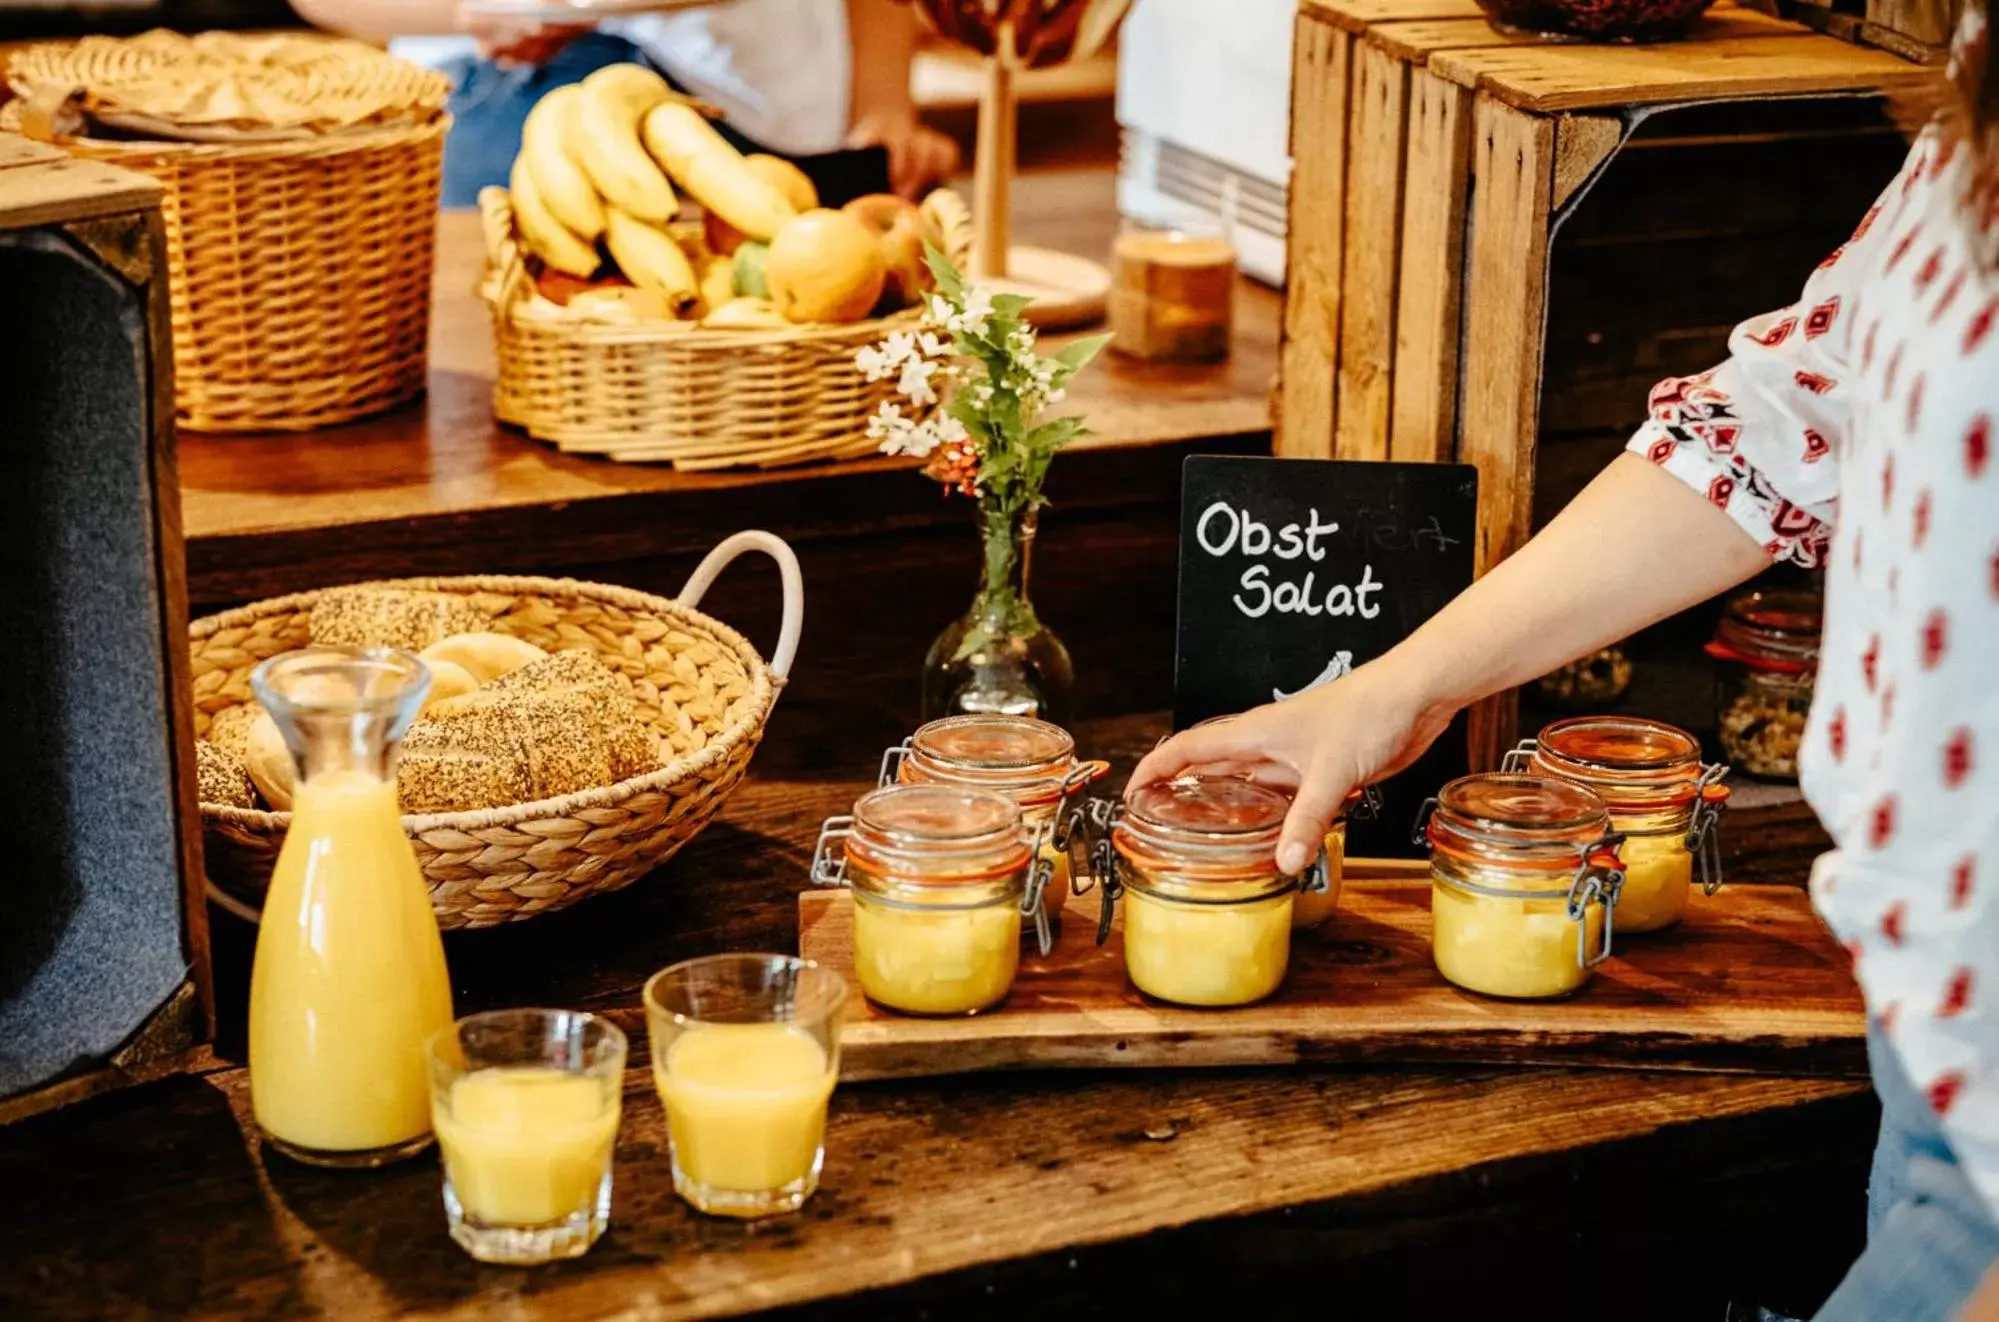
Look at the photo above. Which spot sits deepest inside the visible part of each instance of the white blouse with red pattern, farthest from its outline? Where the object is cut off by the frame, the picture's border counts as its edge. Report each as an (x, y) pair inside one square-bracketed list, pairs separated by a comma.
[(1856, 430)]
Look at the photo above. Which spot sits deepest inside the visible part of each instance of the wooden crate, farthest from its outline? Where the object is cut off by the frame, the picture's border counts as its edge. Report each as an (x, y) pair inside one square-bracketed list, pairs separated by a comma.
[(104, 966), (1436, 159)]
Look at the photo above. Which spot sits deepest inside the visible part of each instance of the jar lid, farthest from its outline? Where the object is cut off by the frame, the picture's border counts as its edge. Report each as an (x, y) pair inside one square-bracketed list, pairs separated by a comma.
[(1776, 630), (1518, 820), (1205, 839), (1220, 810), (939, 834), (1015, 755), (1631, 762)]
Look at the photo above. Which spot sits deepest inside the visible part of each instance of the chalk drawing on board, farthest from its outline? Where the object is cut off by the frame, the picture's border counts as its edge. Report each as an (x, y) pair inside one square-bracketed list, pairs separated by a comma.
[(1341, 664)]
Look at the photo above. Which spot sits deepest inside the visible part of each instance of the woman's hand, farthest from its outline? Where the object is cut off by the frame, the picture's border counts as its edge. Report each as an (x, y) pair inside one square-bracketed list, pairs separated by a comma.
[(1321, 745), (516, 41), (919, 157)]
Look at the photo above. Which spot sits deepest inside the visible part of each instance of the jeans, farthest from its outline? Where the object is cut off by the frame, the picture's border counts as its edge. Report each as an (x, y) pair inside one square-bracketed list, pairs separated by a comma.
[(1929, 1237)]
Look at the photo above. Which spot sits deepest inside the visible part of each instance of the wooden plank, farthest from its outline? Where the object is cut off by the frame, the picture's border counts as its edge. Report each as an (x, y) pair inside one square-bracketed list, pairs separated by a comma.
[(1368, 276), (1417, 40), (1584, 77), (1924, 21), (1358, 16), (1750, 981), (1582, 143), (1436, 186), (1321, 59), (39, 191), (1904, 45), (17, 150)]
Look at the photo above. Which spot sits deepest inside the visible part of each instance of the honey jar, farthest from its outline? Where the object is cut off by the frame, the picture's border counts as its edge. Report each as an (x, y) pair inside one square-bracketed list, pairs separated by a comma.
[(1029, 761), (1207, 913), (1524, 884), (942, 877), (1662, 798), (1311, 908)]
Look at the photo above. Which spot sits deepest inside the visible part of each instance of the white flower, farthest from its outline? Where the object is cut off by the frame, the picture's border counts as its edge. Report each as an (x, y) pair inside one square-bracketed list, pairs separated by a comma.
[(880, 362), (915, 383), (978, 308), (933, 345), (949, 430), (940, 309)]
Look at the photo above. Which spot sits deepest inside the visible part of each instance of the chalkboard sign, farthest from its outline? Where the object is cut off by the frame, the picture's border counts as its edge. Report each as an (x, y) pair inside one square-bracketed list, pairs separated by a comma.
[(1294, 571)]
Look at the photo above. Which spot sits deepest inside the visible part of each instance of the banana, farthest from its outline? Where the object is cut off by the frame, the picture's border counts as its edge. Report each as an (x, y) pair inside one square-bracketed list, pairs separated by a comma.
[(651, 259), (718, 281), (603, 131), (745, 314), (713, 171), (545, 236), (560, 181)]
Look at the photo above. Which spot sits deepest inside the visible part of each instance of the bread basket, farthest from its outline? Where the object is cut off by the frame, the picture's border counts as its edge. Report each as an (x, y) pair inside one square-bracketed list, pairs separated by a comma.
[(300, 235), (698, 398), (700, 685)]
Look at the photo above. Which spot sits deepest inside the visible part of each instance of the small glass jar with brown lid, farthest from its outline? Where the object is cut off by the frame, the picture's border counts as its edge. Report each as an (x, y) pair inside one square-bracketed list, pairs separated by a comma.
[(1207, 912), (942, 877), (1524, 884), (1766, 653), (1662, 798), (1031, 762)]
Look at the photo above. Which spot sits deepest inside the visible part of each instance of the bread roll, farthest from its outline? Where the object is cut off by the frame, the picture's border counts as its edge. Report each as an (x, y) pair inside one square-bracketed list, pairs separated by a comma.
[(633, 747), (392, 617), (485, 656), (269, 762), (440, 779), (553, 737), (229, 729), (448, 680), (221, 778)]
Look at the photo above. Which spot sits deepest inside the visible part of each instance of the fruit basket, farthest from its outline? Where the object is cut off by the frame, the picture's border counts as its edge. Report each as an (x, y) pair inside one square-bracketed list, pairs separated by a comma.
[(701, 687), (658, 296), (301, 177)]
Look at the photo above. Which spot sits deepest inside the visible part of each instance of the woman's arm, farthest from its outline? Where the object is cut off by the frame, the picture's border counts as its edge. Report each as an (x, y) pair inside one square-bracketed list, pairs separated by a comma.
[(1636, 546), (382, 18), (881, 112)]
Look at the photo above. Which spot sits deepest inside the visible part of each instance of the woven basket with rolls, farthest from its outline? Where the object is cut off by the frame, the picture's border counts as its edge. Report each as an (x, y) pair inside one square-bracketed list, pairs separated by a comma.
[(701, 689), (301, 176)]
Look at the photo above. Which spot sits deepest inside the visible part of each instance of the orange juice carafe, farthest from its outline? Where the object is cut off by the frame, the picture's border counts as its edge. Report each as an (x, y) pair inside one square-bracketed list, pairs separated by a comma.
[(349, 979)]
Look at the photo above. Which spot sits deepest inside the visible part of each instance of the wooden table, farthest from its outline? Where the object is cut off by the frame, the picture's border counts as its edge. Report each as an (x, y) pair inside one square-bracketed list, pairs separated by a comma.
[(1402, 1192)]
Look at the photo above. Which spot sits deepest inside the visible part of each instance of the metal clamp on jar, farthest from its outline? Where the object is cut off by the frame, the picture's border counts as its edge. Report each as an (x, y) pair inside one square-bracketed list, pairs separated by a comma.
[(941, 878), (1207, 913), (1661, 796), (1525, 883), (1029, 761)]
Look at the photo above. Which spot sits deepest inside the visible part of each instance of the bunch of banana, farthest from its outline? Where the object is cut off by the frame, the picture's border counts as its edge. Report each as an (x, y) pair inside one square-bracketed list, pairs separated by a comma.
[(600, 171)]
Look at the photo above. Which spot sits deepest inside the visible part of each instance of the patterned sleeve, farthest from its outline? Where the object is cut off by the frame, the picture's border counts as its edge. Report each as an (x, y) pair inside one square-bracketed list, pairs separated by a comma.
[(1761, 434)]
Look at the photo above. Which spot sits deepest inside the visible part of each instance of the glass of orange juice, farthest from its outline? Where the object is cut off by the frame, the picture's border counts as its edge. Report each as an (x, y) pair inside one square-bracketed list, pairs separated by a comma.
[(745, 1049), (525, 1105)]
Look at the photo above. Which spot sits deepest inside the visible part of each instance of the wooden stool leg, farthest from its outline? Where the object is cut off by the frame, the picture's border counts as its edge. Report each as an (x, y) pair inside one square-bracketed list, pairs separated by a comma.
[(1320, 61)]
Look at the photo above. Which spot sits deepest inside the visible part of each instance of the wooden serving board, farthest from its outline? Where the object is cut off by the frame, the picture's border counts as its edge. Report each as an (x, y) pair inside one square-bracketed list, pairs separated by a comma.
[(1749, 982)]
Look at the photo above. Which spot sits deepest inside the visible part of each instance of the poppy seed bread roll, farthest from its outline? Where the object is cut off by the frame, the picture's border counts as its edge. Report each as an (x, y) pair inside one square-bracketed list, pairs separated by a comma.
[(633, 747), (433, 780), (392, 617), (554, 737), (229, 729), (221, 778)]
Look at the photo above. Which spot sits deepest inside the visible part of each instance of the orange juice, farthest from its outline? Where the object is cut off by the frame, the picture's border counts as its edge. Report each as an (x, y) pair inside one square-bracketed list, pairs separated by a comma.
[(527, 1145), (349, 980), (746, 1106)]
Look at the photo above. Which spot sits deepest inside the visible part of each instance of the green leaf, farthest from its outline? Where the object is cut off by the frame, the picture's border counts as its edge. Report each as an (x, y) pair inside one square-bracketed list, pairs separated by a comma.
[(1010, 306), (950, 281), (1077, 356)]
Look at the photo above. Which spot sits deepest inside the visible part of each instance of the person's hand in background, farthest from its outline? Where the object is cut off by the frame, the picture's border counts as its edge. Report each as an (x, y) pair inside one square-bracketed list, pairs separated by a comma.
[(1320, 745), (513, 40), (919, 157)]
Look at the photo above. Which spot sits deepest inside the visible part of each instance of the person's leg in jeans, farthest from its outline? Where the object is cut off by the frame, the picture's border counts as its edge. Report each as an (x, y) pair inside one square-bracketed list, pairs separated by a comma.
[(1929, 1237), (491, 104)]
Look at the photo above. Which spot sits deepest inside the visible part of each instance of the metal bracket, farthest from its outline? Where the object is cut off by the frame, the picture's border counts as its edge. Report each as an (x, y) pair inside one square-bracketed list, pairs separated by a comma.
[(1515, 759), (829, 869), (1594, 881), (1704, 831), (1419, 835), (891, 767)]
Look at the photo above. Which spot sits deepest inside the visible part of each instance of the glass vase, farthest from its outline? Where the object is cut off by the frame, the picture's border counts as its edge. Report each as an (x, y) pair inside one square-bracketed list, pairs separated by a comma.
[(998, 657)]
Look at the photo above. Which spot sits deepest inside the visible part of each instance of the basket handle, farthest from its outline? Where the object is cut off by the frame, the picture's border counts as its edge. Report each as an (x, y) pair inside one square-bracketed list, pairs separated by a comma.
[(776, 548)]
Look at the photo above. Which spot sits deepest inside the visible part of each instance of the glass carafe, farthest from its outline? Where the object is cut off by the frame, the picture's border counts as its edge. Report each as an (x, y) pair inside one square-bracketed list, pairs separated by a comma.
[(349, 978)]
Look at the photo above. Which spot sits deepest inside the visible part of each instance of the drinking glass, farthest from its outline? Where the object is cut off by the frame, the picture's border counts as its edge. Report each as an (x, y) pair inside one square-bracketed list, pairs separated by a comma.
[(745, 1049), (525, 1104)]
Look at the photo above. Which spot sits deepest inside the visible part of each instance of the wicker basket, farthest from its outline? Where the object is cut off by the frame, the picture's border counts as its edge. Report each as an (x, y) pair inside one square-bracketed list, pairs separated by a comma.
[(698, 398), (300, 268), (701, 686)]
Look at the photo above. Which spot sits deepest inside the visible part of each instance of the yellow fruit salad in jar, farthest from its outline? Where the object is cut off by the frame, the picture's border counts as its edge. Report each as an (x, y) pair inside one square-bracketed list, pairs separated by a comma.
[(1207, 914), (941, 878), (1661, 797), (1524, 885), (1030, 761)]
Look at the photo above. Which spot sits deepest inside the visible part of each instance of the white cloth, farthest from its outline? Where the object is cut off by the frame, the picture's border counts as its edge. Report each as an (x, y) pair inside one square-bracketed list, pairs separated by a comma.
[(781, 70), (1859, 429)]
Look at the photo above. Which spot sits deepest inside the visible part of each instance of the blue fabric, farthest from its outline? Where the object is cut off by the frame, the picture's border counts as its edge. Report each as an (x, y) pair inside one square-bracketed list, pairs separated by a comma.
[(1929, 1238), (491, 104)]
